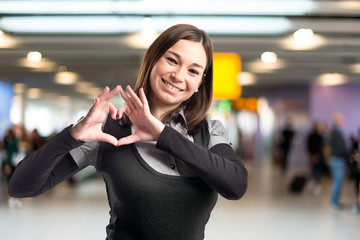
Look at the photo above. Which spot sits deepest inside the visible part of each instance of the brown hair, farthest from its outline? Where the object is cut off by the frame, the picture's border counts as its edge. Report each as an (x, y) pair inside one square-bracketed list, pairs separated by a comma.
[(197, 106)]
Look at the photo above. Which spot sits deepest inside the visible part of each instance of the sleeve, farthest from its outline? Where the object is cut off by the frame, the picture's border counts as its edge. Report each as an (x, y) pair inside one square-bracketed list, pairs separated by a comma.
[(218, 166), (46, 167), (218, 133)]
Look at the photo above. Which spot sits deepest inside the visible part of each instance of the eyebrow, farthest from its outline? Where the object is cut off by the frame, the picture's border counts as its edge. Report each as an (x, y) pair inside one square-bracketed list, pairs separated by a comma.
[(178, 56)]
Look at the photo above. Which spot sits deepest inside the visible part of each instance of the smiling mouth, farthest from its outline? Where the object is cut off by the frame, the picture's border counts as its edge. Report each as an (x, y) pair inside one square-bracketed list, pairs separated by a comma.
[(172, 87)]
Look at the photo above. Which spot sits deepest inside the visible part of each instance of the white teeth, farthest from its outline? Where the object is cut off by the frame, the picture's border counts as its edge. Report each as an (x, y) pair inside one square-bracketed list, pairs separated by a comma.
[(172, 87)]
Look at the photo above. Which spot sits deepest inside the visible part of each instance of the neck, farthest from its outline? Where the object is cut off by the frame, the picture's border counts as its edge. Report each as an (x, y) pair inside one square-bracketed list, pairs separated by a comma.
[(159, 111), (158, 108)]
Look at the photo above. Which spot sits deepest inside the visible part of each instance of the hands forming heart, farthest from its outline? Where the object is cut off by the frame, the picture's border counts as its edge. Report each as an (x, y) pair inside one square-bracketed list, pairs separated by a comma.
[(147, 127)]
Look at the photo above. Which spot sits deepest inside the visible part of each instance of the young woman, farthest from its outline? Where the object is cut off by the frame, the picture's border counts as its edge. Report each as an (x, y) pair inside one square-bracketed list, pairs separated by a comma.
[(163, 161)]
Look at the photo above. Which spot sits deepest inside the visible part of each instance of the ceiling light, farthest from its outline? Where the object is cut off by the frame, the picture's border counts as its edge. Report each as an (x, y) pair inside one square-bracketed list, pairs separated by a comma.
[(246, 78), (225, 25), (259, 66), (34, 93), (66, 78), (133, 24), (291, 43), (268, 57), (147, 25), (33, 56), (348, 5), (144, 38), (19, 88), (303, 34), (330, 79), (7, 41), (44, 65), (148, 7), (71, 24)]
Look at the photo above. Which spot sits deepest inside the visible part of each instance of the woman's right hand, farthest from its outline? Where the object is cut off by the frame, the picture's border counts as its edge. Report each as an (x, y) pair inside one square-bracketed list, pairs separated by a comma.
[(90, 127)]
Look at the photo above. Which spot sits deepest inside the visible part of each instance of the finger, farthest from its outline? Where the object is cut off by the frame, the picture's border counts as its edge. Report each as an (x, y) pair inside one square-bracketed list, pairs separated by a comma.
[(112, 110), (104, 92), (135, 99), (97, 100), (126, 98), (93, 107), (128, 111), (128, 140), (97, 106), (143, 97), (112, 93), (121, 111), (108, 138)]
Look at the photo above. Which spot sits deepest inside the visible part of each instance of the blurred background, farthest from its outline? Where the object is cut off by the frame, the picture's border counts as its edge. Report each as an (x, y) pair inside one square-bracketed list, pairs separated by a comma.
[(280, 66)]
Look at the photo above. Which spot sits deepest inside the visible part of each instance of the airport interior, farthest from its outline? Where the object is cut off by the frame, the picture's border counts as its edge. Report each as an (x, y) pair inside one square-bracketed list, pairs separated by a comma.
[(283, 69)]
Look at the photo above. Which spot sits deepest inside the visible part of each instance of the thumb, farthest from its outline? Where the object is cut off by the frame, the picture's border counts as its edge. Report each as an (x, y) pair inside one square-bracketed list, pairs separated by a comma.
[(108, 138), (128, 140)]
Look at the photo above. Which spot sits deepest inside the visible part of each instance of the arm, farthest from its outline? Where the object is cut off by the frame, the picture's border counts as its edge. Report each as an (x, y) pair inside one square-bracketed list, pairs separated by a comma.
[(53, 163), (219, 167), (46, 167)]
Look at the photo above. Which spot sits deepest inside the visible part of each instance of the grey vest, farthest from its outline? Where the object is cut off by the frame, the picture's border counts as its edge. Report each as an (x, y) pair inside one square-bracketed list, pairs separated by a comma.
[(146, 204)]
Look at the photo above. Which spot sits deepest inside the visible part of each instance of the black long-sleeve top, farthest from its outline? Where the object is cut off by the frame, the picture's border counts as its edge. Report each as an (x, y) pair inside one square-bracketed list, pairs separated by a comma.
[(125, 172)]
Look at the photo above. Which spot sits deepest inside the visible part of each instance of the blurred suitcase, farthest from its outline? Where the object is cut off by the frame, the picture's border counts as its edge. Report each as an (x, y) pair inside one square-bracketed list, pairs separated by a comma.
[(297, 184)]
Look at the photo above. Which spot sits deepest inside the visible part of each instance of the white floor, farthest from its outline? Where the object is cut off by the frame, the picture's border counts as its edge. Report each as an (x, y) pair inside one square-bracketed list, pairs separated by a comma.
[(268, 211)]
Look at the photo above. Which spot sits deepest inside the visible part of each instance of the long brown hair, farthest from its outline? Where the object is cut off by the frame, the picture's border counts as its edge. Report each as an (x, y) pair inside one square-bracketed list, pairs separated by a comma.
[(197, 106)]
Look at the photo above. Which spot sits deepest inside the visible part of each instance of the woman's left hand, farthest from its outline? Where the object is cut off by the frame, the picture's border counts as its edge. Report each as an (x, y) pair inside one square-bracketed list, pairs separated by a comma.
[(147, 127)]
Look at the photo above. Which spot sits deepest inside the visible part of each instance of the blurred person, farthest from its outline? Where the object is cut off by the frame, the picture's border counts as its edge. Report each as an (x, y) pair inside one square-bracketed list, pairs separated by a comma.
[(37, 140), (315, 149), (286, 140), (13, 148), (11, 142), (2, 161), (326, 151), (353, 152), (163, 160), (339, 154), (354, 162)]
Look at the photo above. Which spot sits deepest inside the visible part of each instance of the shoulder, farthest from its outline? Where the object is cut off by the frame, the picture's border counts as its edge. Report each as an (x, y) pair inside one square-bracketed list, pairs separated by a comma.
[(218, 133)]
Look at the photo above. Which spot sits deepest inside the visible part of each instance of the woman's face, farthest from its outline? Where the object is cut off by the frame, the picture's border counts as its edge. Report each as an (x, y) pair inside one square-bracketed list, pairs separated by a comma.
[(177, 74)]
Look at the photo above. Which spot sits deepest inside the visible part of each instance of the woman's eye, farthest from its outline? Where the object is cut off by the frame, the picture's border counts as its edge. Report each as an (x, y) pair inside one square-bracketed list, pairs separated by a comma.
[(171, 60), (192, 71)]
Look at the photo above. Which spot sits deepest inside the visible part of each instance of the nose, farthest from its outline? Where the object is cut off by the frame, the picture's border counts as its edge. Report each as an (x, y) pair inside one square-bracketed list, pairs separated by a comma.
[(178, 75)]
